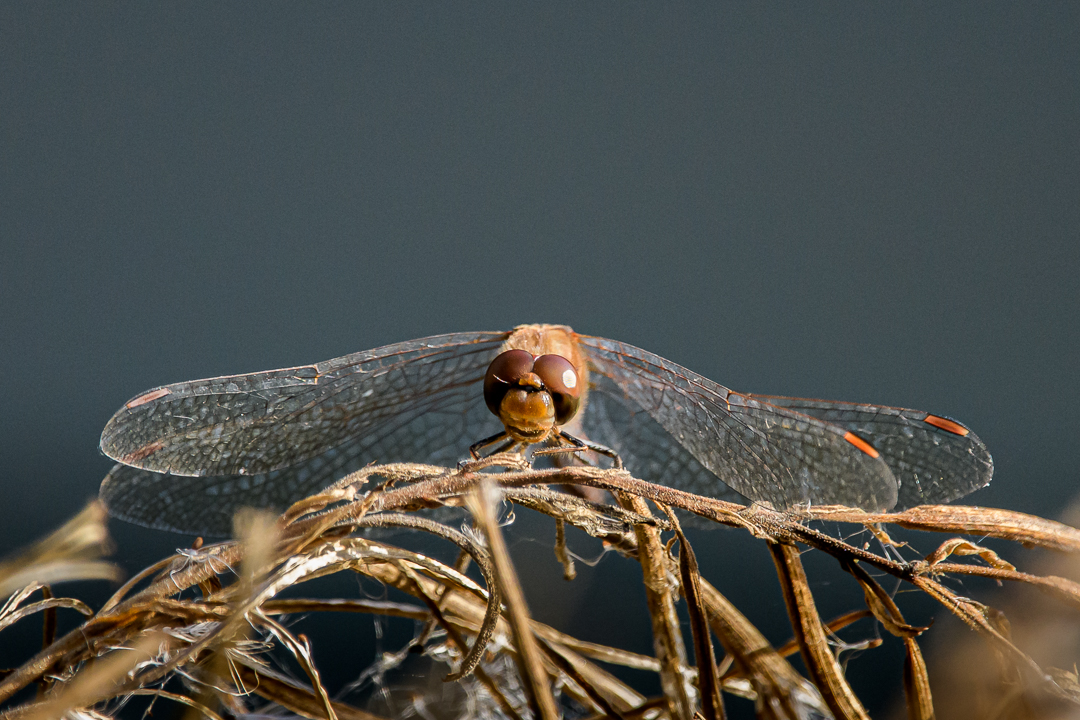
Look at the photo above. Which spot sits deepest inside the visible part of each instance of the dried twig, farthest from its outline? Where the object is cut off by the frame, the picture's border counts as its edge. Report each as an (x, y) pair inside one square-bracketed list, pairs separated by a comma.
[(192, 616)]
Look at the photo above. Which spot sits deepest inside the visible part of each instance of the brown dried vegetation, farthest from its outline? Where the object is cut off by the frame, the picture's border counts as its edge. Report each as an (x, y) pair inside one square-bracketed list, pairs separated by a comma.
[(191, 617)]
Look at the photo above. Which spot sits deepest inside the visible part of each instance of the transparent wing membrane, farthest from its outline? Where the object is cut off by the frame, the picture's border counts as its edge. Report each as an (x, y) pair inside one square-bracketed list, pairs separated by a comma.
[(257, 423), (764, 452), (191, 454), (931, 464)]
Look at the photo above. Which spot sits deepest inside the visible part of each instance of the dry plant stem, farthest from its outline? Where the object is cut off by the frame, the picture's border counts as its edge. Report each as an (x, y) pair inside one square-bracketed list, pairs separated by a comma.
[(534, 677), (472, 659), (289, 574), (436, 617), (574, 651), (1066, 591), (136, 579), (564, 662), (96, 681), (824, 670), (920, 703), (48, 620), (976, 615), (962, 547), (289, 577), (992, 522), (603, 653), (712, 707), (561, 552), (783, 694), (293, 606), (833, 626), (600, 520), (760, 521), (321, 538), (667, 632), (182, 699), (80, 643), (465, 610), (48, 635), (45, 606), (881, 603), (75, 644), (286, 692), (435, 604), (257, 533), (302, 653), (649, 708)]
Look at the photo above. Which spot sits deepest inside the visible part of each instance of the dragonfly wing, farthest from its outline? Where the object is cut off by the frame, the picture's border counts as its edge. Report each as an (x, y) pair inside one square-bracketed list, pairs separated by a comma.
[(934, 459), (438, 431), (258, 423), (646, 448), (765, 452), (196, 505)]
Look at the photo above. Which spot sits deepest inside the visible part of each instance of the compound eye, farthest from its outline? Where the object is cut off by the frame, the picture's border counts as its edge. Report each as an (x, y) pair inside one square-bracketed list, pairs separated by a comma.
[(561, 380), (503, 373)]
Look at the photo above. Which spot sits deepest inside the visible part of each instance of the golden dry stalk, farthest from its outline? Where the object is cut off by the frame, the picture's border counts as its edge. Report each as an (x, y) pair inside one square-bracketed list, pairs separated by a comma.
[(191, 617)]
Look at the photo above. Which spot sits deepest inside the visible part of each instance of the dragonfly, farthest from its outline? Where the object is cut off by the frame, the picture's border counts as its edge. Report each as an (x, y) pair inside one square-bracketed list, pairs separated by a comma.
[(190, 454)]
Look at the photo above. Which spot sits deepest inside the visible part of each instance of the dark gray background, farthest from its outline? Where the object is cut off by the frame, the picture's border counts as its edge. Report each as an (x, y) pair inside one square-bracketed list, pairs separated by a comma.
[(863, 203)]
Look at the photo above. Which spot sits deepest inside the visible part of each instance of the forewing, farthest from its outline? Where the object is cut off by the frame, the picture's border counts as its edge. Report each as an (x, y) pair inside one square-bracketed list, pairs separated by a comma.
[(438, 431), (764, 452), (258, 423), (933, 459)]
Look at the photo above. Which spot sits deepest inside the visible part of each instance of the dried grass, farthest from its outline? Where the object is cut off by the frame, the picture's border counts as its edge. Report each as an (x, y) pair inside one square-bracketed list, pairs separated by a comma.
[(192, 619)]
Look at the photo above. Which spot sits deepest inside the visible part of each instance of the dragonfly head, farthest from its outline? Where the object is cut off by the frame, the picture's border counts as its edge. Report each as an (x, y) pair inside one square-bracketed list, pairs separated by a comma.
[(531, 395)]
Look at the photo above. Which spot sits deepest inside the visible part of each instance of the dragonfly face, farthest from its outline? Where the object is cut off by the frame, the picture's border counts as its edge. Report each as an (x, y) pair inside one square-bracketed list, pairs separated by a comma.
[(192, 453), (531, 395)]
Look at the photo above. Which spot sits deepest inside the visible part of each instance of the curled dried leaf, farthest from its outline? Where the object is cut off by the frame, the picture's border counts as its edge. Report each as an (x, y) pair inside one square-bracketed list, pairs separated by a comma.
[(962, 547)]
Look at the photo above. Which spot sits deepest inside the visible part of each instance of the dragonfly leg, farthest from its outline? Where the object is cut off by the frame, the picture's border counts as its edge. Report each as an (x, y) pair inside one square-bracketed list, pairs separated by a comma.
[(576, 445), (476, 449)]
